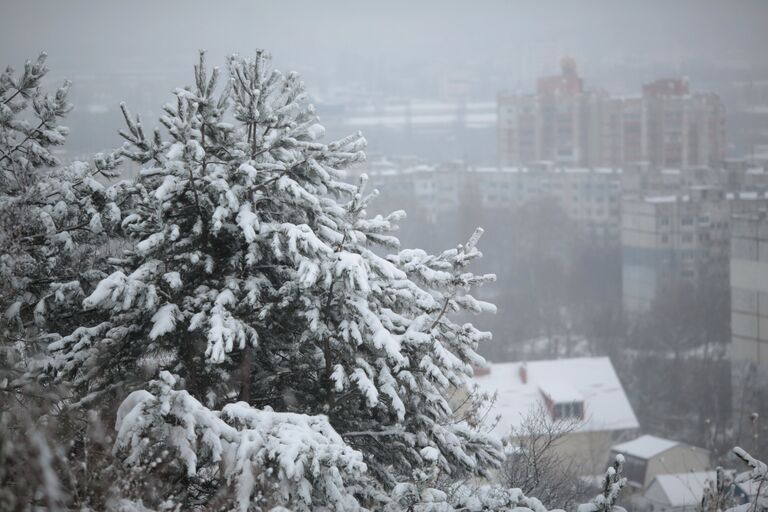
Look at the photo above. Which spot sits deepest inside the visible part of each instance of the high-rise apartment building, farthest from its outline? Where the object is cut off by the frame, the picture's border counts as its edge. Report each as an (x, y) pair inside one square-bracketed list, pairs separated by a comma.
[(668, 126), (684, 129), (546, 126)]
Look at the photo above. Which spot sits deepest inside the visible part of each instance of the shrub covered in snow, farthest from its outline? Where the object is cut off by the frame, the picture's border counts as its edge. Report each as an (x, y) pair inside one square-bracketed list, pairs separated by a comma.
[(260, 456)]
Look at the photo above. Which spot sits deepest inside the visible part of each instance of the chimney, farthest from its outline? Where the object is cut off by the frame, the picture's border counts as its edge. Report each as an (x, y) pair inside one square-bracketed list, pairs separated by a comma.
[(523, 372)]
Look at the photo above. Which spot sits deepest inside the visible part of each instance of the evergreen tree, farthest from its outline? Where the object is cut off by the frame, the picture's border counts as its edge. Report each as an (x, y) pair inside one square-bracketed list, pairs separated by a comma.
[(51, 219), (46, 211), (257, 284)]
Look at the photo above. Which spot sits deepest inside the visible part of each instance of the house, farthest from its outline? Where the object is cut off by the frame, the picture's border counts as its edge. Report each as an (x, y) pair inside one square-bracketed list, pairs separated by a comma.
[(649, 456), (676, 492), (584, 391)]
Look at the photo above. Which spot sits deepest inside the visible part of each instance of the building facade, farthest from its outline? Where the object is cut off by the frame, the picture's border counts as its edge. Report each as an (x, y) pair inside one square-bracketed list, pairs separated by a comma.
[(749, 330), (684, 129), (589, 197), (749, 288), (677, 238)]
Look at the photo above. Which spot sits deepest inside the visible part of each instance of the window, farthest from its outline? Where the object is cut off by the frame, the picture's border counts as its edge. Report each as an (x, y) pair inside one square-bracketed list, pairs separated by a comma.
[(565, 410)]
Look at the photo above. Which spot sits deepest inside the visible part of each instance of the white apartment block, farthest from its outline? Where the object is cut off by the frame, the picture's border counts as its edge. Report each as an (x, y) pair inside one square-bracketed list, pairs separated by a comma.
[(672, 238), (749, 288), (590, 197), (749, 328)]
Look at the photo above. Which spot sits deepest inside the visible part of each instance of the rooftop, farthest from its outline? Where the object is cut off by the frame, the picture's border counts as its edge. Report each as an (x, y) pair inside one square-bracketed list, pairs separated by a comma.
[(684, 489), (645, 447), (588, 379), (730, 196)]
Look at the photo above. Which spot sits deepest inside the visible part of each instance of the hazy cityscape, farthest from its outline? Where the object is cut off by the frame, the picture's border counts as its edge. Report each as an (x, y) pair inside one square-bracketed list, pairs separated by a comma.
[(471, 257)]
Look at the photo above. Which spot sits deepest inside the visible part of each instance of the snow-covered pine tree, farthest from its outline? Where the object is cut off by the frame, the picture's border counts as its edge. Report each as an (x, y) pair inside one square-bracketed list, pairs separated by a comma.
[(45, 210), (613, 483), (718, 493), (757, 478), (255, 286), (51, 217), (28, 128)]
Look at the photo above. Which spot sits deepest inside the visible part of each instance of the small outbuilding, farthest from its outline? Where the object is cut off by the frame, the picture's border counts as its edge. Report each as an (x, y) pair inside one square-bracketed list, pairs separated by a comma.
[(648, 456)]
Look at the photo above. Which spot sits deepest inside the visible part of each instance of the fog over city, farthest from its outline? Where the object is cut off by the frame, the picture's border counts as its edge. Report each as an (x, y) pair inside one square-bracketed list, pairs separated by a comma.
[(396, 49), (470, 256)]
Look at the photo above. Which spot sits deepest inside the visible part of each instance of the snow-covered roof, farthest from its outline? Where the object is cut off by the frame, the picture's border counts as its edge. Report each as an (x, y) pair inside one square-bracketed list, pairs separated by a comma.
[(751, 195), (607, 170), (586, 170), (665, 199), (684, 489), (645, 447), (588, 379), (685, 198), (559, 391)]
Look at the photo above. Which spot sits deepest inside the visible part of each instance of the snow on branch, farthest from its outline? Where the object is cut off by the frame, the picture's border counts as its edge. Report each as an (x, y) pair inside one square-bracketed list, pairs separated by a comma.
[(282, 457), (759, 470), (613, 483)]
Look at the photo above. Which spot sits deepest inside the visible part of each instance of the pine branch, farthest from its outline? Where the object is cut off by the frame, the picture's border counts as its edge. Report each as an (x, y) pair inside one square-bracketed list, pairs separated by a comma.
[(19, 145), (18, 91)]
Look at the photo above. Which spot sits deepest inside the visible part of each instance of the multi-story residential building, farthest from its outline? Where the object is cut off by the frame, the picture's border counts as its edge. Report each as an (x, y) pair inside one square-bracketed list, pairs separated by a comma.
[(633, 131), (552, 125), (560, 124), (749, 327), (749, 288), (745, 174), (433, 191), (684, 129), (590, 197), (668, 125), (518, 129), (674, 238)]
